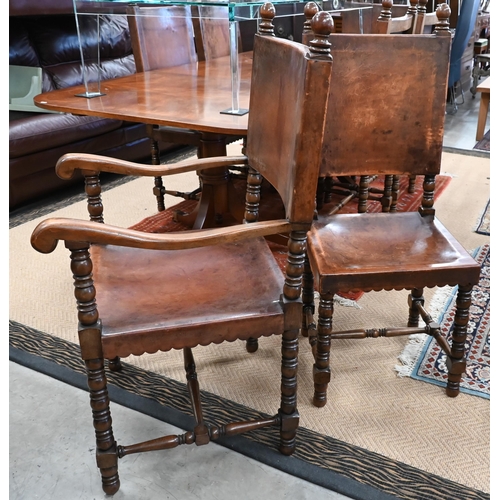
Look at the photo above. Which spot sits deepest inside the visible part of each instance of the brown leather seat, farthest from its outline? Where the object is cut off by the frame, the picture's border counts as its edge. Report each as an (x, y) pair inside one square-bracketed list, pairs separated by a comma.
[(140, 292)]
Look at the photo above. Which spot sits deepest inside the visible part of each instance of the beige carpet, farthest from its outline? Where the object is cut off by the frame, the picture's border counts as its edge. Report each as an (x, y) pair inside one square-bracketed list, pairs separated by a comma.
[(369, 405)]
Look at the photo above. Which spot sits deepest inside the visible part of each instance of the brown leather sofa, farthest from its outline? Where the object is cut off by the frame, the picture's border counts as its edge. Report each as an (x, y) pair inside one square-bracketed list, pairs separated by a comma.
[(44, 34)]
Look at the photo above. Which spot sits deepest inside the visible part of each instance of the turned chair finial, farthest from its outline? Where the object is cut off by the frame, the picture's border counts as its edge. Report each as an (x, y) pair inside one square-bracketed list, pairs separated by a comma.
[(310, 9), (413, 9), (422, 6), (443, 13), (267, 12), (386, 13), (322, 25)]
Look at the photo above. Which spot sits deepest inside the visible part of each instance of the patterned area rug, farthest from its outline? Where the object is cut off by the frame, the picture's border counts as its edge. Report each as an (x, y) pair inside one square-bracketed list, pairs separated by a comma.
[(483, 225), (484, 143), (373, 456), (424, 360)]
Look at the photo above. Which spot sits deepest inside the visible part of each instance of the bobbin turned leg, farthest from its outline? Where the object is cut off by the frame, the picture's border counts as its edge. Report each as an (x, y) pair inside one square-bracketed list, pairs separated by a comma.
[(416, 296), (321, 368), (307, 299), (292, 306), (106, 455), (89, 334), (252, 203), (456, 362)]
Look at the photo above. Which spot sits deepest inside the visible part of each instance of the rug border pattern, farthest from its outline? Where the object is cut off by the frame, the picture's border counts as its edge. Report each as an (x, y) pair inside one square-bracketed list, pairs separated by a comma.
[(347, 469), (485, 215)]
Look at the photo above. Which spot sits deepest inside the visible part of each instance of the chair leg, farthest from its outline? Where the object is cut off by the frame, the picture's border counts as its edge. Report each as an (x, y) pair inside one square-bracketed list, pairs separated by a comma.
[(106, 452), (321, 368), (391, 186), (393, 206), (307, 298), (416, 296), (456, 363), (252, 345), (412, 179), (158, 187), (288, 410), (115, 364), (364, 184)]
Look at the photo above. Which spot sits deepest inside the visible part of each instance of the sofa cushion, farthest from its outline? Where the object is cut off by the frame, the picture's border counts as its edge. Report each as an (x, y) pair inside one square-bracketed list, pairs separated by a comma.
[(32, 132), (58, 48), (21, 50)]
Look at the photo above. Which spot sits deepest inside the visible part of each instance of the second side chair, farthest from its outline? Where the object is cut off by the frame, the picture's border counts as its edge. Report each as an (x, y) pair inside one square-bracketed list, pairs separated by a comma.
[(395, 129)]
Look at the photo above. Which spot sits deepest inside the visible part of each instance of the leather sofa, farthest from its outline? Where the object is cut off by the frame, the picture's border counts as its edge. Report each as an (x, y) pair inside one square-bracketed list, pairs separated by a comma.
[(43, 34)]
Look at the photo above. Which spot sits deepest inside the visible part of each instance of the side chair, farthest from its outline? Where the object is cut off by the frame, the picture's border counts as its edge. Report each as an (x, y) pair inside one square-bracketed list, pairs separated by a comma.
[(163, 37), (141, 293), (398, 126), (355, 186)]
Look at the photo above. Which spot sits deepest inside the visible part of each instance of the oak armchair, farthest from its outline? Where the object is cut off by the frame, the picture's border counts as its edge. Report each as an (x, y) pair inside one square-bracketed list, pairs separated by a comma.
[(138, 292)]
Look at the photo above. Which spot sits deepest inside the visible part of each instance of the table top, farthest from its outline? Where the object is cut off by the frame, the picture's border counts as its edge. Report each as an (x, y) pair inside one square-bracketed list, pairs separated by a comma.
[(484, 86), (190, 96)]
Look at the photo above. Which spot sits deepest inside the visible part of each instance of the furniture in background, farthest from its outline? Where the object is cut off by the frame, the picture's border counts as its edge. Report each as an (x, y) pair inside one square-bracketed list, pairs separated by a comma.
[(401, 132), (484, 105), (135, 97), (462, 53), (388, 23), (44, 35), (482, 59), (210, 291), (154, 31)]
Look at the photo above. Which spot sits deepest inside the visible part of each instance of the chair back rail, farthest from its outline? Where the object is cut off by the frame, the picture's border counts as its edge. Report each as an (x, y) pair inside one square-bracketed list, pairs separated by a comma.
[(161, 36), (392, 104)]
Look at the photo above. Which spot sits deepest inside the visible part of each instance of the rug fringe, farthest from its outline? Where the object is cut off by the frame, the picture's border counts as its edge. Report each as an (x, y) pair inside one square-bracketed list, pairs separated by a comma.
[(341, 301), (411, 353)]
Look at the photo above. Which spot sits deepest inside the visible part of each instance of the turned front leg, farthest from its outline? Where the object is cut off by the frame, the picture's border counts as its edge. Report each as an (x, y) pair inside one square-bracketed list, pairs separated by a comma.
[(292, 306), (89, 334), (106, 453), (456, 362)]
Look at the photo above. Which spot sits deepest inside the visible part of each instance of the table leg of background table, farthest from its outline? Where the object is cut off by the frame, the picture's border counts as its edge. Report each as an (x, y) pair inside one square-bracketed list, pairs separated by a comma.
[(213, 197), (483, 113)]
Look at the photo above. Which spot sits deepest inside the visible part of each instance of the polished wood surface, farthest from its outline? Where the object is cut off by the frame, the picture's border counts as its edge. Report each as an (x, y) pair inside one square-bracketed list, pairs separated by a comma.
[(484, 106), (140, 293), (188, 96)]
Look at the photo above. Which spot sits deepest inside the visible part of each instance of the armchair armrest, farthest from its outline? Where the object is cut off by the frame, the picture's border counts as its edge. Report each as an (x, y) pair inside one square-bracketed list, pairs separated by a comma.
[(67, 164), (47, 234)]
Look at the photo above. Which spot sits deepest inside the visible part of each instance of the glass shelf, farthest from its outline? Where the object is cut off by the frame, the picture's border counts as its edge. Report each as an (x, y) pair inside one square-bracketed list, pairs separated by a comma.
[(88, 14)]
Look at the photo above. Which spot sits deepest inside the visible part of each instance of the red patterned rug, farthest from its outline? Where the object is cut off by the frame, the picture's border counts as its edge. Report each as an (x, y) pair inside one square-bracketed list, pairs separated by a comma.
[(163, 222)]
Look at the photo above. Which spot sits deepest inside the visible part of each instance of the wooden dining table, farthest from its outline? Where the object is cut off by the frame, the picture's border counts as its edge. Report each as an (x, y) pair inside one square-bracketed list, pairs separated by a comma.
[(192, 96)]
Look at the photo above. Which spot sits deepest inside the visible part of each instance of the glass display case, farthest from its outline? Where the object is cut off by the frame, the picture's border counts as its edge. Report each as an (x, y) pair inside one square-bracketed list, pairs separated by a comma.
[(89, 12)]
